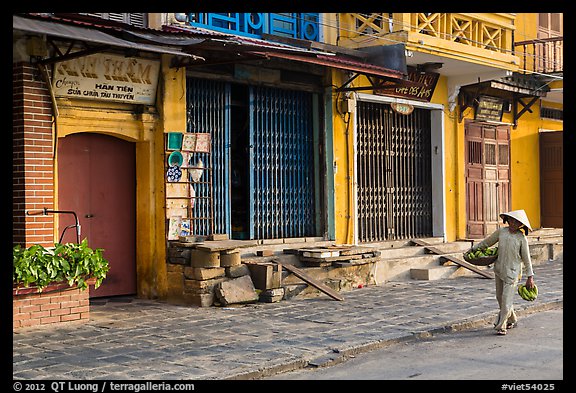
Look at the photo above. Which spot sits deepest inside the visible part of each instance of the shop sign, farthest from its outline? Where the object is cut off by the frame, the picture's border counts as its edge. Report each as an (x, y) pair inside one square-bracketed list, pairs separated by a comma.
[(108, 77), (489, 109), (419, 86)]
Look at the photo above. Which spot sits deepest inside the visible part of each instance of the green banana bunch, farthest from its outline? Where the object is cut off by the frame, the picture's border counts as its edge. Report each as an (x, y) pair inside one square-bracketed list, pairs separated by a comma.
[(528, 294), (482, 253)]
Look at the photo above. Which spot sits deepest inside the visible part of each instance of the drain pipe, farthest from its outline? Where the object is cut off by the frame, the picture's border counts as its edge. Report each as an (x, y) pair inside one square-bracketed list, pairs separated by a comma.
[(44, 72)]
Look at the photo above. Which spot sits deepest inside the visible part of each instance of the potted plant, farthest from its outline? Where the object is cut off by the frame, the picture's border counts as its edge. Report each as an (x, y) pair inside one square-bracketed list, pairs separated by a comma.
[(37, 267)]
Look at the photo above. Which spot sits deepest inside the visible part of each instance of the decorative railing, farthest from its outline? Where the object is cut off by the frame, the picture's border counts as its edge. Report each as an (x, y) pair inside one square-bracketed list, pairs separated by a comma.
[(294, 25), (544, 55), (485, 31)]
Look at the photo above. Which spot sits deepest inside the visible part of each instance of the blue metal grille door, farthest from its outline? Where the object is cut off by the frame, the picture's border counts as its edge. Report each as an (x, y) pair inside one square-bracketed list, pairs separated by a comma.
[(208, 106), (281, 164)]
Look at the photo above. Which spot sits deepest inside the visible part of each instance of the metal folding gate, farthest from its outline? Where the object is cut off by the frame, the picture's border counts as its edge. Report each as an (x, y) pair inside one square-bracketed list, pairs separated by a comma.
[(281, 160), (208, 105), (393, 173), (281, 164)]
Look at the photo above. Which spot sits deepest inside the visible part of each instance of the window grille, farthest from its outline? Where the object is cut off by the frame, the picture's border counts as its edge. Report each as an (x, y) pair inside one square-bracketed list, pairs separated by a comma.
[(551, 113)]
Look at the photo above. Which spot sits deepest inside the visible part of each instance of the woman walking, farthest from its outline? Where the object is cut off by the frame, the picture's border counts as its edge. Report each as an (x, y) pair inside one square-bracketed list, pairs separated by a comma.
[(513, 255)]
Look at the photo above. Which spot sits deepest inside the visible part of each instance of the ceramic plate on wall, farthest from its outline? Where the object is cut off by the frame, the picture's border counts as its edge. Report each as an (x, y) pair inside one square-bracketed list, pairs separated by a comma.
[(173, 174), (175, 159)]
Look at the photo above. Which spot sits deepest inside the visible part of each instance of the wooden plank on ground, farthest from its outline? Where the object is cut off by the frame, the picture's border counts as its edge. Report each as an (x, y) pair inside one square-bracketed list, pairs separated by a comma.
[(452, 258), (318, 285)]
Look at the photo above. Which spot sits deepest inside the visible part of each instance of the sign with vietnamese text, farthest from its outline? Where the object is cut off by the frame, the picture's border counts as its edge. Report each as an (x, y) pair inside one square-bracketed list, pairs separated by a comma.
[(108, 77), (489, 109)]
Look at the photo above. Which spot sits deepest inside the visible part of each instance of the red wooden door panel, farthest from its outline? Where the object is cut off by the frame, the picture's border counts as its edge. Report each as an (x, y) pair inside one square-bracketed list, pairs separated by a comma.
[(96, 179)]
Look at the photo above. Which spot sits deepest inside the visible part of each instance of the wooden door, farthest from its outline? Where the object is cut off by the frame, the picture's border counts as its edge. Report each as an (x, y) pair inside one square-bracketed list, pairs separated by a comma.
[(487, 156), (551, 179), (96, 179)]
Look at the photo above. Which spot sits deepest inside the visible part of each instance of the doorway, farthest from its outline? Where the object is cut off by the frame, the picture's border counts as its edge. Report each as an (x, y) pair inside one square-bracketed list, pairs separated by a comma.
[(487, 155), (552, 179), (394, 171), (239, 155), (265, 152), (96, 179)]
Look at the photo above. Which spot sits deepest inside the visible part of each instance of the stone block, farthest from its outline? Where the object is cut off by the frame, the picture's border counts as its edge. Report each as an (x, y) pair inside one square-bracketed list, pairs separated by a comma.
[(203, 273), (176, 268), (265, 253), (179, 255), (218, 236), (227, 260), (202, 258), (202, 286), (266, 275), (434, 273), (237, 271), (175, 286), (178, 260), (198, 299), (237, 290), (271, 295)]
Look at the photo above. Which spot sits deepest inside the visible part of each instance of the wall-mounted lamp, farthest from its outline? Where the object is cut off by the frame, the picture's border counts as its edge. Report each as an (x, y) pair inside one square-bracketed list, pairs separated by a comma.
[(181, 17)]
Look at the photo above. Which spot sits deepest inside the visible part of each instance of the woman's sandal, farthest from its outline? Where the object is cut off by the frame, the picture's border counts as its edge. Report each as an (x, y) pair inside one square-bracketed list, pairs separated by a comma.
[(501, 332), (511, 325)]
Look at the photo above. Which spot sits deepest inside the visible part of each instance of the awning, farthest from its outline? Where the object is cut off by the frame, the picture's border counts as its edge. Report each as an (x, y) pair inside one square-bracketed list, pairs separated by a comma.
[(506, 91), (77, 33), (230, 46), (338, 62), (514, 91)]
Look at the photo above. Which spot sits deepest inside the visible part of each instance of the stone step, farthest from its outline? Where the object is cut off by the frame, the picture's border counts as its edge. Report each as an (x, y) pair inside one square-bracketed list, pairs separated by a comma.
[(547, 232), (539, 253), (433, 273), (400, 260)]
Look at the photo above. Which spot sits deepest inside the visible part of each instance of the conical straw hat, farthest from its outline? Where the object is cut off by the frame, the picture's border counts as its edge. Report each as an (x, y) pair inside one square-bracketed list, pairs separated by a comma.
[(519, 215)]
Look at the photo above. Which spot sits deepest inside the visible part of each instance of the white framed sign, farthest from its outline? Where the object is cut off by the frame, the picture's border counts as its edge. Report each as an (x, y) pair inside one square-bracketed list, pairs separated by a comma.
[(107, 77)]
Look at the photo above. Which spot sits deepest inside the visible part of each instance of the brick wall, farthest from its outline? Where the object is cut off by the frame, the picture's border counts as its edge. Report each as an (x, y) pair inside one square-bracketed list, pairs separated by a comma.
[(33, 173), (49, 307)]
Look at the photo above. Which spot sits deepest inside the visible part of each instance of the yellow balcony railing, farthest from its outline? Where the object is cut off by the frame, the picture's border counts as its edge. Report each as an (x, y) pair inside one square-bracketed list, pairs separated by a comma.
[(485, 31), (481, 37)]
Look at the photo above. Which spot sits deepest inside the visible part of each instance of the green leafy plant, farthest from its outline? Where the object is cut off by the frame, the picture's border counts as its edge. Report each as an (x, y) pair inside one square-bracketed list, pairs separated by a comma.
[(70, 262)]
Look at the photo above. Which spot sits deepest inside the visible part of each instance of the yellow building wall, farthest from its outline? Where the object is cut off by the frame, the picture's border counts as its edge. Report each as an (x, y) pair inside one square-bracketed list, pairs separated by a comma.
[(146, 130), (453, 155), (526, 26), (525, 166), (343, 128)]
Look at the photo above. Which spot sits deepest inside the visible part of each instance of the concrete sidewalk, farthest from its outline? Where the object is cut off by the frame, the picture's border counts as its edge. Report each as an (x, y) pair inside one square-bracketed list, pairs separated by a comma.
[(135, 339)]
